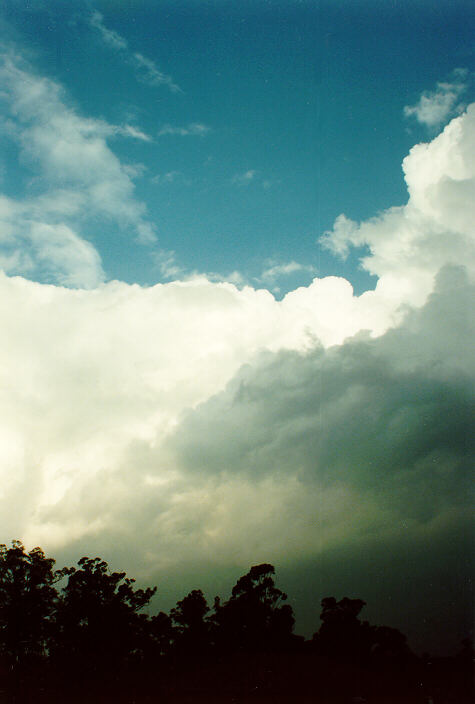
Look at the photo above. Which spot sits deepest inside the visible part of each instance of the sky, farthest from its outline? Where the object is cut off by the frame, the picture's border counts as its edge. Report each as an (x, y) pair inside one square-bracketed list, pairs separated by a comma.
[(236, 270)]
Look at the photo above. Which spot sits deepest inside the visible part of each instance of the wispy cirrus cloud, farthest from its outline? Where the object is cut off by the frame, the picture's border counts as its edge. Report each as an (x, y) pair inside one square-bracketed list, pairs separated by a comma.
[(194, 129), (147, 70), (435, 107)]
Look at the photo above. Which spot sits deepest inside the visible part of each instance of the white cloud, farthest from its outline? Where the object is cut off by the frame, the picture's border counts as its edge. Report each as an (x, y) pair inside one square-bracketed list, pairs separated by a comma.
[(434, 108), (409, 244), (78, 172), (147, 71), (193, 129)]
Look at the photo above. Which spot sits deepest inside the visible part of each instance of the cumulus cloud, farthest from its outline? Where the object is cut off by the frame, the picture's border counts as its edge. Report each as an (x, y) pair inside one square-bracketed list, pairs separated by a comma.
[(364, 438), (300, 454), (79, 174), (306, 393), (434, 108), (97, 410), (409, 244), (147, 70), (195, 422)]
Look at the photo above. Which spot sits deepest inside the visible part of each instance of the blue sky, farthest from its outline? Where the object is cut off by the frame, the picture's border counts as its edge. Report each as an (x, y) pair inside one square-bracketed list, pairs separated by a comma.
[(299, 108), (237, 273)]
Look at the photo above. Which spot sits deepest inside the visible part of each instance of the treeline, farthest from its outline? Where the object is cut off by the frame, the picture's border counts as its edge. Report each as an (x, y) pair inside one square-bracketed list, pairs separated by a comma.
[(80, 634)]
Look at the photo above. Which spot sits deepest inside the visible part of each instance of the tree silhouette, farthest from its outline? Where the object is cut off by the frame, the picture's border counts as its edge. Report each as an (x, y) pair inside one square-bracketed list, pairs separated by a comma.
[(389, 643), (28, 599), (98, 624), (192, 629), (90, 641), (162, 633), (342, 634), (254, 617)]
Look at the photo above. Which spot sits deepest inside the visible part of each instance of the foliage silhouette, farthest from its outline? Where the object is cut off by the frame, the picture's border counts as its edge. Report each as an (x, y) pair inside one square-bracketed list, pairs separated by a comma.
[(98, 624), (80, 634), (192, 630), (162, 635), (28, 602), (344, 636), (254, 617)]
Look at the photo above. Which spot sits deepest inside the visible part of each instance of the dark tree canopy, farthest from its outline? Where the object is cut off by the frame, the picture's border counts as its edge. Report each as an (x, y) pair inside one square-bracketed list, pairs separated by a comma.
[(343, 635), (98, 617), (192, 629), (254, 617), (80, 634), (28, 600)]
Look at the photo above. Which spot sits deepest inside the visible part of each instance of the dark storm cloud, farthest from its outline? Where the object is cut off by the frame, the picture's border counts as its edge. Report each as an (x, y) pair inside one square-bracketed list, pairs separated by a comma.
[(377, 432), (390, 416)]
